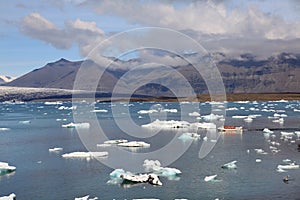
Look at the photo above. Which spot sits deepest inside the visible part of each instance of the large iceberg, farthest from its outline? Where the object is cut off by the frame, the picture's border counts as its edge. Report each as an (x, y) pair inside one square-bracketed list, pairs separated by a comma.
[(86, 155), (12, 196), (5, 168)]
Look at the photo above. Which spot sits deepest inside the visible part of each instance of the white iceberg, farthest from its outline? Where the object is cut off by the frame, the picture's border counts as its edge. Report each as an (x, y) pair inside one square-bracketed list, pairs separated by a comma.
[(115, 141), (260, 151), (142, 178), (5, 168), (83, 125), (87, 155), (230, 165), (87, 197), (194, 114), (258, 160), (266, 130), (4, 129), (55, 149), (210, 178), (155, 167), (289, 166), (211, 117), (248, 119), (134, 144), (12, 196), (99, 111)]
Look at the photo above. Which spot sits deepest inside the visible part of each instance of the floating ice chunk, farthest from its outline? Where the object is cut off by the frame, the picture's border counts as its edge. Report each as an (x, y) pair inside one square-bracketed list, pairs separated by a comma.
[(142, 178), (83, 125), (100, 111), (167, 125), (5, 168), (146, 199), (155, 167), (86, 155), (297, 133), (194, 114), (86, 198), (289, 166), (233, 108), (211, 117), (286, 160), (67, 108), (147, 111), (283, 133), (56, 149), (115, 141), (230, 165), (260, 151), (239, 117), (53, 103), (4, 129), (189, 136), (258, 160), (25, 122), (266, 130), (134, 144), (280, 121), (280, 170), (12, 196), (248, 119), (210, 178)]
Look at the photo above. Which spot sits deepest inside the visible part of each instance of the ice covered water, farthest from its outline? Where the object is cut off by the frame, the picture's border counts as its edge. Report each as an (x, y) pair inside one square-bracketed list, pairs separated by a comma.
[(27, 134)]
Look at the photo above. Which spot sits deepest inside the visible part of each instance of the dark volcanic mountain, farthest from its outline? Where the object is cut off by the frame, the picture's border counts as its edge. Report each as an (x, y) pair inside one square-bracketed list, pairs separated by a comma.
[(246, 74)]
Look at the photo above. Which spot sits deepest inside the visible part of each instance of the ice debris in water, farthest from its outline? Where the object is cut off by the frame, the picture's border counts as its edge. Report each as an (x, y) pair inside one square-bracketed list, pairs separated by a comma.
[(155, 167), (55, 149), (25, 122), (115, 141), (230, 165), (260, 151), (86, 198), (134, 144), (5, 168), (194, 114), (4, 129), (210, 178), (174, 125), (12, 196), (211, 117), (83, 125), (189, 136), (100, 111), (86, 155)]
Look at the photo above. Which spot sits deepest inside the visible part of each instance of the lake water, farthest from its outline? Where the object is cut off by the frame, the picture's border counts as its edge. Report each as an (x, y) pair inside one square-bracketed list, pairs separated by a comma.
[(33, 128)]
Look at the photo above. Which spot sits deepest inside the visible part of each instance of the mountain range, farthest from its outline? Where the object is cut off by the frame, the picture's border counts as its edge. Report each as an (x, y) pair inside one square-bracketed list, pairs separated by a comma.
[(243, 74)]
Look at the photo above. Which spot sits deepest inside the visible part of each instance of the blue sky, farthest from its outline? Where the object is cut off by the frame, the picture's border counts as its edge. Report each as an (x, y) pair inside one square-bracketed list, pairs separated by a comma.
[(33, 33)]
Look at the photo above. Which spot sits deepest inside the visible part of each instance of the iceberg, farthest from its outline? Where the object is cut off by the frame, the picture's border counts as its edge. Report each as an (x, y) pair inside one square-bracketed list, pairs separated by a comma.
[(248, 119), (99, 111), (258, 160), (86, 198), (76, 125), (266, 130), (230, 165), (194, 114), (115, 141), (5, 168), (56, 149), (210, 178), (134, 144), (142, 178), (289, 166), (4, 129), (86, 155), (212, 117), (12, 196), (260, 151), (189, 136), (155, 167)]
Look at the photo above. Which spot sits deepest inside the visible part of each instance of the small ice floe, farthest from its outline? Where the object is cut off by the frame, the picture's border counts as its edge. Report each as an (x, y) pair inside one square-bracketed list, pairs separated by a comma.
[(115, 141), (4, 129), (56, 149), (86, 155), (25, 122), (260, 151), (211, 117), (279, 115), (67, 108), (266, 130), (258, 160), (104, 145), (194, 114), (232, 108), (288, 166), (284, 134), (12, 196), (230, 165), (87, 197), (297, 133), (239, 117), (189, 136), (167, 125), (155, 167), (248, 119), (286, 160), (280, 121), (83, 125), (210, 178), (99, 111), (134, 144), (6, 169), (280, 170)]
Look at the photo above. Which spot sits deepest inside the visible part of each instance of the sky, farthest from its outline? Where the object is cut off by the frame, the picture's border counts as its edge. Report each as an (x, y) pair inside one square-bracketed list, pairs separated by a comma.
[(33, 33)]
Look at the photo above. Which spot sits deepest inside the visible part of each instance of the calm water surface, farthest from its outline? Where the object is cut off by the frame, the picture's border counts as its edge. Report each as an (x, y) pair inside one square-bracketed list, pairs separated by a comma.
[(36, 127)]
